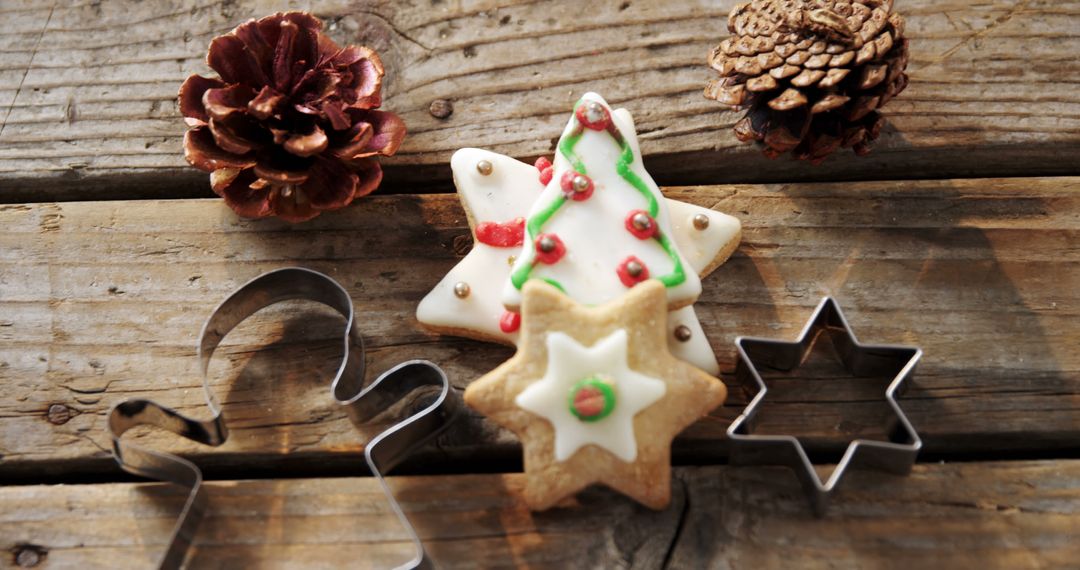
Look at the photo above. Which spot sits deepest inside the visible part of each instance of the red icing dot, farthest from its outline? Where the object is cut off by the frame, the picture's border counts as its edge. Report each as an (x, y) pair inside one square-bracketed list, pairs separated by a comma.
[(648, 231), (589, 402), (554, 253), (625, 274), (506, 234), (546, 171), (510, 322), (594, 116), (568, 188)]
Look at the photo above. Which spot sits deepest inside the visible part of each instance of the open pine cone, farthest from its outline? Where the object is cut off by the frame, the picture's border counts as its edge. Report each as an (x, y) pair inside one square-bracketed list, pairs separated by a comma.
[(812, 73), (290, 128)]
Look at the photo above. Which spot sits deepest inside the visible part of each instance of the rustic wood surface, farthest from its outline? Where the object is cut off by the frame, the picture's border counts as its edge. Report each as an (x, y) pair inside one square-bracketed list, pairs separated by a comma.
[(87, 89), (1014, 515), (102, 301)]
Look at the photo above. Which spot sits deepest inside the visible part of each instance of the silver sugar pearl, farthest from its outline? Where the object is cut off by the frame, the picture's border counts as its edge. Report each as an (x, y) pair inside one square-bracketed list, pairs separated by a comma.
[(701, 221), (682, 333), (594, 111), (462, 289), (580, 183), (634, 269), (484, 167), (641, 221), (547, 245)]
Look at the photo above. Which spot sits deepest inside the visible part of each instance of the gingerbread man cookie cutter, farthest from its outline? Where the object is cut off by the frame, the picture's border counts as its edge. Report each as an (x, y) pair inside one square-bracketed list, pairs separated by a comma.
[(897, 455), (429, 418)]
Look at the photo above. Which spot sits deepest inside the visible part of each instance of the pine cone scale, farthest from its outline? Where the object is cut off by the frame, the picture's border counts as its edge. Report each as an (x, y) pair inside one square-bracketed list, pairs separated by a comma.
[(191, 97), (271, 172), (242, 193), (784, 72), (228, 57), (227, 141), (841, 59), (222, 102), (203, 153), (329, 183), (307, 145), (265, 104)]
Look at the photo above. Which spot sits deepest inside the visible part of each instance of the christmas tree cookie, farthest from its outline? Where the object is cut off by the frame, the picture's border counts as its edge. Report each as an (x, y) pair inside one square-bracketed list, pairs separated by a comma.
[(601, 225), (594, 394), (497, 193)]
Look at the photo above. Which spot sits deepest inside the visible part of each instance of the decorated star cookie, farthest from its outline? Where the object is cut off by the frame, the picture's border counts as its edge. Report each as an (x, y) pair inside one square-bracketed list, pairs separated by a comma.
[(594, 394), (497, 193)]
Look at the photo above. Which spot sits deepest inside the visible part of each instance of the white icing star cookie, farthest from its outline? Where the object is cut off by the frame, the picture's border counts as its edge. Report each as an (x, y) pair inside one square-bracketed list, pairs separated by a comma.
[(597, 378), (497, 193)]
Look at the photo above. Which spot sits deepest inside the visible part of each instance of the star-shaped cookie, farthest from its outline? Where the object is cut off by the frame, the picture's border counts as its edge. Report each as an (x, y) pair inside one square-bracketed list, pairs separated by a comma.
[(579, 373), (497, 192)]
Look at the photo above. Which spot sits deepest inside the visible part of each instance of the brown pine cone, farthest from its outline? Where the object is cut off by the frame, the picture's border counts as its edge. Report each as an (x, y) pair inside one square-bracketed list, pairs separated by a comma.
[(290, 128), (811, 73)]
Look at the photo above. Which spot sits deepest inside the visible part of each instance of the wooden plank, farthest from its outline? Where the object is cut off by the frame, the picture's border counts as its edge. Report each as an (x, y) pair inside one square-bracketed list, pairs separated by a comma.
[(92, 110), (102, 301), (994, 515), (974, 515), (333, 523)]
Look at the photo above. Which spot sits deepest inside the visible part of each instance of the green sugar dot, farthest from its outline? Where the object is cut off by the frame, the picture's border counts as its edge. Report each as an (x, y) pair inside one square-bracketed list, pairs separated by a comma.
[(582, 399)]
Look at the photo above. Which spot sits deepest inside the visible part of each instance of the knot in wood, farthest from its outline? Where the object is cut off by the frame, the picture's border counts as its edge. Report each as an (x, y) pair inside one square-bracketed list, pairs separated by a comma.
[(441, 108), (59, 414), (29, 555)]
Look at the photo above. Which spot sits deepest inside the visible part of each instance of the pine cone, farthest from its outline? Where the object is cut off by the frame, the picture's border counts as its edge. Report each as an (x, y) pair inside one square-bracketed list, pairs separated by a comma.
[(812, 73), (289, 128)]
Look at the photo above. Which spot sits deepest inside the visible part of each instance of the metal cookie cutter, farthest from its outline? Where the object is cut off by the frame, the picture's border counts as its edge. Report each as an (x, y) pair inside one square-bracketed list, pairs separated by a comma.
[(382, 453), (896, 455)]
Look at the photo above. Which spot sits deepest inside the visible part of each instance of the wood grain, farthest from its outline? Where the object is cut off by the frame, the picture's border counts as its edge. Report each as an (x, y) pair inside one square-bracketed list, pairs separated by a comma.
[(87, 89), (102, 301), (975, 515)]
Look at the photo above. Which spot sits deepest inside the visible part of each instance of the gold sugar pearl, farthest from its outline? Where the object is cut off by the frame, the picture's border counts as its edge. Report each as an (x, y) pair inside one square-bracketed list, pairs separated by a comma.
[(701, 221)]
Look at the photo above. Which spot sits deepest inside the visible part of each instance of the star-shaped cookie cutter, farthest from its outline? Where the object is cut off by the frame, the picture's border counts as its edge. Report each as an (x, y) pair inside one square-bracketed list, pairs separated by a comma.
[(426, 416), (861, 360)]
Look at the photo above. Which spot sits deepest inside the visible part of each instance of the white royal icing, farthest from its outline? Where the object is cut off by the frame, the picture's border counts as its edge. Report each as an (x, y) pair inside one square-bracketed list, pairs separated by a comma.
[(567, 364), (501, 196), (507, 193), (594, 230)]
